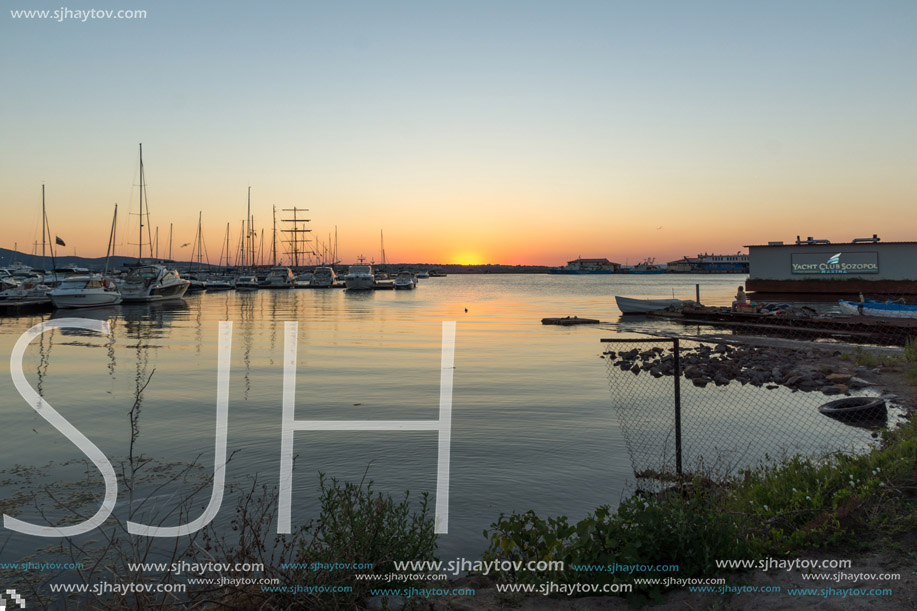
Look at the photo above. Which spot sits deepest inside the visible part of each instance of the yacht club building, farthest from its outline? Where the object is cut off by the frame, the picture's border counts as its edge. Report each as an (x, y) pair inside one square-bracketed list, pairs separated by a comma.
[(864, 265)]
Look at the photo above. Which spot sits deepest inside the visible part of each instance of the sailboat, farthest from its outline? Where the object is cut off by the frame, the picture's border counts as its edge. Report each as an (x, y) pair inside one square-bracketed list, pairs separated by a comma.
[(32, 288), (249, 281), (148, 282), (91, 290)]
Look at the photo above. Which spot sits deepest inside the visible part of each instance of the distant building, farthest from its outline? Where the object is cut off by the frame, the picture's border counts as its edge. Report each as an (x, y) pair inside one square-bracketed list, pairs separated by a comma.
[(865, 265), (685, 265), (722, 264), (710, 264), (588, 266)]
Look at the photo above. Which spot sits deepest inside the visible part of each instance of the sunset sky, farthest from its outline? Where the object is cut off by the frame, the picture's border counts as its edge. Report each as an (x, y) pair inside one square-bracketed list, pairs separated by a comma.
[(468, 132)]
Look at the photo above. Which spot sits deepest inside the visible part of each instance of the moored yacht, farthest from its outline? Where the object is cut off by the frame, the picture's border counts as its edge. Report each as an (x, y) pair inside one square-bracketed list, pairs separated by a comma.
[(29, 289), (360, 278), (405, 280), (247, 283), (153, 282), (280, 278), (323, 277), (85, 292)]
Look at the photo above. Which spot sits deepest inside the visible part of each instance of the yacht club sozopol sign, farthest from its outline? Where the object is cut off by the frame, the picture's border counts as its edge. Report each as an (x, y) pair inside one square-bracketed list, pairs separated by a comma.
[(840, 263)]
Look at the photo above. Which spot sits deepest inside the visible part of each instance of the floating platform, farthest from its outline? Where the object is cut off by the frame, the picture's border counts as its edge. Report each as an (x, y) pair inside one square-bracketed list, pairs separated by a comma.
[(891, 331), (569, 321)]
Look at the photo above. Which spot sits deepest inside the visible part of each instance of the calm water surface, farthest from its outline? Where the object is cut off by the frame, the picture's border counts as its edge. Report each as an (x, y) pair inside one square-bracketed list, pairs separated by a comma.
[(532, 424)]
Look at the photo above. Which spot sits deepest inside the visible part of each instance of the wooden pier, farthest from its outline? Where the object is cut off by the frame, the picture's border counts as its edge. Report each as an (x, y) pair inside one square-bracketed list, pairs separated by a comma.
[(864, 329)]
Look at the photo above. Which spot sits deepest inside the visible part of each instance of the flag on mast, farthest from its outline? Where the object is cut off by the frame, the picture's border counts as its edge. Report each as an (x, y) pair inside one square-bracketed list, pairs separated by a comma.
[(59, 241)]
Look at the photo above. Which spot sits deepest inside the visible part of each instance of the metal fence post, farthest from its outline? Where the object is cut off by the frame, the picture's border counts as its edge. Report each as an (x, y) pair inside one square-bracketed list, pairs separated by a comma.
[(677, 377)]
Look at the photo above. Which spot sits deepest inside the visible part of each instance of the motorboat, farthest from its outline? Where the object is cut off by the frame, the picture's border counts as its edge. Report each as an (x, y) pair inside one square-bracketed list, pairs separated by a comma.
[(422, 274), (647, 266), (153, 282), (247, 283), (323, 277), (219, 283), (405, 280), (629, 305), (55, 277), (30, 289), (887, 309), (85, 292), (360, 278), (304, 279), (280, 278)]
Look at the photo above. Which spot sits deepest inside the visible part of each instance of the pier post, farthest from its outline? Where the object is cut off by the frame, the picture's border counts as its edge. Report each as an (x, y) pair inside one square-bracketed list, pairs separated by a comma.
[(677, 377)]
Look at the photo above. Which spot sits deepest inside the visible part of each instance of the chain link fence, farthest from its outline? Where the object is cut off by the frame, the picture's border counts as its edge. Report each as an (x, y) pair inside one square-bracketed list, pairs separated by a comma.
[(713, 408)]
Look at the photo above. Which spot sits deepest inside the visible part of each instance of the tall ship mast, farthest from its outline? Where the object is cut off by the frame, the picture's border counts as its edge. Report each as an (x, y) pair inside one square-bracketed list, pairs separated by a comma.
[(297, 240)]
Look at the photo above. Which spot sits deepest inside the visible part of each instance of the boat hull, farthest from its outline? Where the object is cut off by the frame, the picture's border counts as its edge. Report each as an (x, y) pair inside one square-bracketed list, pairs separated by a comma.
[(629, 305), (879, 310), (84, 299)]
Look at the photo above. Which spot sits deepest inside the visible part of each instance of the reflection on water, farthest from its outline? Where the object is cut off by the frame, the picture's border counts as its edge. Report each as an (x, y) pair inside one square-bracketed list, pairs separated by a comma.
[(532, 424)]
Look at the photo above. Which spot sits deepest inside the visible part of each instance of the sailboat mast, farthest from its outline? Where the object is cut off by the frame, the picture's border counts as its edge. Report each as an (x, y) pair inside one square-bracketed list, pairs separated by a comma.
[(170, 241), (140, 242), (248, 217), (44, 223), (111, 240), (274, 240)]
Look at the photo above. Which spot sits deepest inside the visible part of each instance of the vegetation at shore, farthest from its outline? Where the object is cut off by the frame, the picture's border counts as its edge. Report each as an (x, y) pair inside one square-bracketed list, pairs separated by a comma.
[(841, 502)]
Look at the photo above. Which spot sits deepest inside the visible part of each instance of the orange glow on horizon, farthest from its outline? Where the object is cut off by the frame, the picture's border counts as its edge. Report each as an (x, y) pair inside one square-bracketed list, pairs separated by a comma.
[(467, 258)]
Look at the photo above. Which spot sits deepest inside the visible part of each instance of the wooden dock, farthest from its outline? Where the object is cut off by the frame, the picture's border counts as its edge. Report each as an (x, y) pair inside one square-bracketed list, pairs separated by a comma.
[(891, 331)]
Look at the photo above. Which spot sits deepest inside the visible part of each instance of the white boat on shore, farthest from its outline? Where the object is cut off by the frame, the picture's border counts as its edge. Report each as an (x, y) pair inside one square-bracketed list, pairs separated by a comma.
[(629, 305), (85, 292)]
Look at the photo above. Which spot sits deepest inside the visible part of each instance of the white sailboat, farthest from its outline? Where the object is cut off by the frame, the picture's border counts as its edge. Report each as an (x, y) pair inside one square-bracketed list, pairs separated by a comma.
[(90, 290), (148, 282)]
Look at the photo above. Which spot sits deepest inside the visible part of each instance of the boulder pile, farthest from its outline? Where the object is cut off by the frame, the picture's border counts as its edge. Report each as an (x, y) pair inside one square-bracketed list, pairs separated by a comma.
[(720, 364)]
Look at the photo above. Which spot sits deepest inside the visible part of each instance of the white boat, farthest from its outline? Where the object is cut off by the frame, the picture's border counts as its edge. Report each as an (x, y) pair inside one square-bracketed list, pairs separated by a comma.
[(303, 280), (148, 282), (405, 280), (360, 278), (323, 277), (85, 292), (153, 282), (218, 283), (629, 305), (280, 278), (247, 283), (422, 274), (30, 289), (888, 309)]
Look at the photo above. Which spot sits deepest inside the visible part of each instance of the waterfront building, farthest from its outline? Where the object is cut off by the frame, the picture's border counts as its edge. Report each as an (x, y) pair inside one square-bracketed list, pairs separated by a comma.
[(588, 266), (864, 265), (710, 264)]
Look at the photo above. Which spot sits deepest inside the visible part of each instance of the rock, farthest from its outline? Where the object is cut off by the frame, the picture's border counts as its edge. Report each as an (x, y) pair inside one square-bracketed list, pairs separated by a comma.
[(635, 369), (771, 386), (841, 378), (857, 383), (832, 390), (395, 603), (700, 382), (807, 385)]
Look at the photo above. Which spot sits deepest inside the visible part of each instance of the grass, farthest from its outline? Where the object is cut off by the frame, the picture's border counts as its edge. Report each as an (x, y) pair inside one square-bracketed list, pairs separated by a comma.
[(841, 502)]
